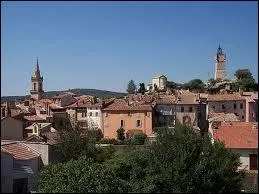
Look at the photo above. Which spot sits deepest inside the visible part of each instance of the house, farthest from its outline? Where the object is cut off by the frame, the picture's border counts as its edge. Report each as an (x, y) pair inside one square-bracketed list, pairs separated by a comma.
[(42, 132), (20, 167), (129, 114), (11, 128), (188, 108), (241, 137), (64, 99), (228, 103), (251, 106)]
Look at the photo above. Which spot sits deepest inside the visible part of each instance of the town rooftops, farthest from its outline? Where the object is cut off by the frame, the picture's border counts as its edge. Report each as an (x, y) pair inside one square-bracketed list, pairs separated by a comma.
[(237, 135), (225, 97), (19, 151), (221, 116)]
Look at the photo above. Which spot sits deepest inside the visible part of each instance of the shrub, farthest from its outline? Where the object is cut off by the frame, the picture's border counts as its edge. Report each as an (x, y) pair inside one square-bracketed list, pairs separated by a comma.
[(138, 139)]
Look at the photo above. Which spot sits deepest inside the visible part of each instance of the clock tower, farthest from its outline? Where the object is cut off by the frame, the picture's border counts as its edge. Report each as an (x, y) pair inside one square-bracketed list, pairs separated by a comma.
[(220, 66)]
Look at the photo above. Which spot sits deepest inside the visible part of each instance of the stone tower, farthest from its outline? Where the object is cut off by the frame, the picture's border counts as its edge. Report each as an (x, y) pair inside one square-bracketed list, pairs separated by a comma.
[(220, 66), (37, 80)]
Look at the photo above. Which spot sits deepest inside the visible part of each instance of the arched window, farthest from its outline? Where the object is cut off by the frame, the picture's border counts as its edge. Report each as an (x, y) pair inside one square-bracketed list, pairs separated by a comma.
[(34, 86)]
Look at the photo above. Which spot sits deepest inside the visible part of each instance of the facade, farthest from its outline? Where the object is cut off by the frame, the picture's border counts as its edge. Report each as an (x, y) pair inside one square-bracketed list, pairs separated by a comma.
[(220, 65), (11, 128), (20, 166), (130, 115), (160, 81), (37, 84), (227, 103), (241, 137)]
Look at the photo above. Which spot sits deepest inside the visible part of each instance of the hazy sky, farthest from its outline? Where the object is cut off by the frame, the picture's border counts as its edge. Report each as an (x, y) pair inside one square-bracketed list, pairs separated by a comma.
[(102, 45)]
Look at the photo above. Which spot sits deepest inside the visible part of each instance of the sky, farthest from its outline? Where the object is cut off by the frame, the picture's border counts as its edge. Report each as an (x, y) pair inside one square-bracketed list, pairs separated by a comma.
[(103, 45)]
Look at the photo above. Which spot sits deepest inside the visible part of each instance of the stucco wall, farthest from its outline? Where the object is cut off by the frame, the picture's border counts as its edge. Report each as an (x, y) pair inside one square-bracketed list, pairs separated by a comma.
[(94, 121), (11, 129), (229, 108), (112, 122), (244, 156), (192, 115)]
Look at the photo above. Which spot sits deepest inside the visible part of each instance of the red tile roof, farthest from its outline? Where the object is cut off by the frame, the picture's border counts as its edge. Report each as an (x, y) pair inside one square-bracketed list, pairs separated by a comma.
[(225, 97), (45, 101), (19, 151), (126, 105), (166, 99), (239, 135)]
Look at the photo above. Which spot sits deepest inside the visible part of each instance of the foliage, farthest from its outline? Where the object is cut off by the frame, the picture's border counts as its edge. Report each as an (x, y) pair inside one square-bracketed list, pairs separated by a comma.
[(108, 141), (131, 87), (121, 134), (80, 176), (196, 85), (179, 161), (245, 81), (155, 88), (138, 139), (142, 88)]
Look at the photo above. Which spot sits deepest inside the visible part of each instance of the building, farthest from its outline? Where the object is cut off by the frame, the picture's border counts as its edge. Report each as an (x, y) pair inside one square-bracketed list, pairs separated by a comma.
[(37, 84), (241, 137), (20, 167), (220, 65), (227, 103), (159, 81), (132, 116)]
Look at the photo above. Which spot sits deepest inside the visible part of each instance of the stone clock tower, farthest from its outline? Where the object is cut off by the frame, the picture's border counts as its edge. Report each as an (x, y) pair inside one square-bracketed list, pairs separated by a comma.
[(220, 66), (37, 81)]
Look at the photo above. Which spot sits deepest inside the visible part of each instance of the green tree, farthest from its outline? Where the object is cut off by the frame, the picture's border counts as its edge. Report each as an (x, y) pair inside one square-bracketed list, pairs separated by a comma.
[(142, 88), (196, 84), (139, 139), (121, 134), (245, 81), (131, 87)]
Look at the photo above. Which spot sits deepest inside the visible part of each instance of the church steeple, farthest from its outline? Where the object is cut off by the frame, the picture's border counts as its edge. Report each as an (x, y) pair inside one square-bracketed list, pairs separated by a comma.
[(220, 65), (37, 80)]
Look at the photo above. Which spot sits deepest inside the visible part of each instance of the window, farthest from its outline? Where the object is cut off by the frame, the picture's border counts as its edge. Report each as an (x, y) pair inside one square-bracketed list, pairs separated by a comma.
[(190, 109), (129, 114), (106, 114), (223, 106), (182, 109), (241, 105), (235, 106), (253, 161), (90, 114), (122, 123), (34, 86), (96, 114), (83, 114), (35, 129), (242, 117), (213, 107), (138, 123)]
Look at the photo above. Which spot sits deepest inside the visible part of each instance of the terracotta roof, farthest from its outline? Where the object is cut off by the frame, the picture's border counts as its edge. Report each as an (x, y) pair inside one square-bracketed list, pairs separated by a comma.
[(225, 97), (51, 138), (188, 98), (45, 101), (166, 99), (19, 151), (237, 136), (126, 105), (221, 116), (33, 118)]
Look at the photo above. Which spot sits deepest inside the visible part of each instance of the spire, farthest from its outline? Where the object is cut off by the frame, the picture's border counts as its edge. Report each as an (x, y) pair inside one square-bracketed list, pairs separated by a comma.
[(219, 51), (37, 68)]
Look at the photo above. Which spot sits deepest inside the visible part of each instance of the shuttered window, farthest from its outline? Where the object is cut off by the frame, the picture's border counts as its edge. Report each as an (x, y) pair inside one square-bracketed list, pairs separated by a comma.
[(253, 161)]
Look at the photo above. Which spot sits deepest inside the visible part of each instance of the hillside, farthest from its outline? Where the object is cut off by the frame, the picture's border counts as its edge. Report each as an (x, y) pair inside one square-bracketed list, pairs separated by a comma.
[(78, 92)]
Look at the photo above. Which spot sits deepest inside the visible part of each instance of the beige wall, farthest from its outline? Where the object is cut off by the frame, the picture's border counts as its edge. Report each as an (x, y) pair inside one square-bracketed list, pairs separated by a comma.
[(112, 121), (229, 108), (11, 129), (244, 157), (193, 115)]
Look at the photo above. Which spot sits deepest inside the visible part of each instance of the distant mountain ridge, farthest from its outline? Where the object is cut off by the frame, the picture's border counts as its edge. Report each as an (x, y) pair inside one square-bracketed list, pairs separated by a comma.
[(78, 92)]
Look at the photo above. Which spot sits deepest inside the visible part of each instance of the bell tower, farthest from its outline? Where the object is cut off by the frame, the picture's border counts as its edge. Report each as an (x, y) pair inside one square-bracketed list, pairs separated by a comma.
[(37, 81), (220, 66)]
